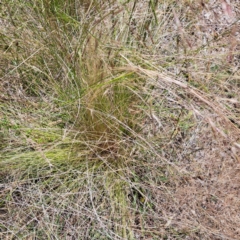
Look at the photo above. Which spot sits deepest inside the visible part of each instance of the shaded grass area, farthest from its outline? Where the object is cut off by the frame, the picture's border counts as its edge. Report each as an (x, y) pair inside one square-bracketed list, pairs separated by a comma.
[(119, 120)]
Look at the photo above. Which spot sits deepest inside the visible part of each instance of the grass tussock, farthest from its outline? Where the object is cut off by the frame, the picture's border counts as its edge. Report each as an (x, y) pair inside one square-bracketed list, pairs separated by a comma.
[(119, 119)]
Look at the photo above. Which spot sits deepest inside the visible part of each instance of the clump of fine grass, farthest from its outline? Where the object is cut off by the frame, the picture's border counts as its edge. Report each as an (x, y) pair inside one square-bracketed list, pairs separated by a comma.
[(119, 120)]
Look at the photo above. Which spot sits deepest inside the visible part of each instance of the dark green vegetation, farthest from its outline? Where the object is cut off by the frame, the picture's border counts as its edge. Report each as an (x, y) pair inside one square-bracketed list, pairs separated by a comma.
[(119, 119)]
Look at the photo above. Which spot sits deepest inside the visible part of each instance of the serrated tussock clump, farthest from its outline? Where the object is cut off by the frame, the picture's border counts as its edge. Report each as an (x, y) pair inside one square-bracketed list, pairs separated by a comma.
[(119, 119)]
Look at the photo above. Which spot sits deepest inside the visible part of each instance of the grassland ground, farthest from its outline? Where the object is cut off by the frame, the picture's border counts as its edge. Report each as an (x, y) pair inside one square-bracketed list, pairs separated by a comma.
[(119, 119)]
